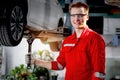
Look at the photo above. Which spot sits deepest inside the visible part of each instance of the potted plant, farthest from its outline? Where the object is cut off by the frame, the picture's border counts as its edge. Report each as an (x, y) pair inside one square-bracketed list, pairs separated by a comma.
[(20, 73)]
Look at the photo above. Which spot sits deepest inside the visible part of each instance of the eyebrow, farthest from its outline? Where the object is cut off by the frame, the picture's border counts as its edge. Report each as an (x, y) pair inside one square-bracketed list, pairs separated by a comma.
[(77, 14)]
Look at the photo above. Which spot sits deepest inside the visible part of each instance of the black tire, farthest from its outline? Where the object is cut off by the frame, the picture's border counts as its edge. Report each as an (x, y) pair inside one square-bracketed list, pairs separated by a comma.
[(12, 26)]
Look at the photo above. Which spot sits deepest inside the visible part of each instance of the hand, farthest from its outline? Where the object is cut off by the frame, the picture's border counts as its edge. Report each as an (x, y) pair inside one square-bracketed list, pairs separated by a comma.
[(42, 63), (38, 62)]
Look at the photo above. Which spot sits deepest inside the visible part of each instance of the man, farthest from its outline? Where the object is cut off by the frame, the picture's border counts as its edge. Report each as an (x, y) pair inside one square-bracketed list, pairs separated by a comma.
[(82, 53)]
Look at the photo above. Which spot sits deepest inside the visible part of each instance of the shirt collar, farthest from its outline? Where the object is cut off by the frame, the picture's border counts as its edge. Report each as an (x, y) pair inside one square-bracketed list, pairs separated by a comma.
[(84, 33)]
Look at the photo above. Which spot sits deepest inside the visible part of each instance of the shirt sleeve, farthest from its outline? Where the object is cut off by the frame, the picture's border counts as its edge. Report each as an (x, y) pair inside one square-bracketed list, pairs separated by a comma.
[(60, 61), (97, 52)]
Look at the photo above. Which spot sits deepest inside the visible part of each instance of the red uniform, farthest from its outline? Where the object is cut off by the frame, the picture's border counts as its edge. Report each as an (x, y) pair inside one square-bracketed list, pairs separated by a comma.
[(84, 57)]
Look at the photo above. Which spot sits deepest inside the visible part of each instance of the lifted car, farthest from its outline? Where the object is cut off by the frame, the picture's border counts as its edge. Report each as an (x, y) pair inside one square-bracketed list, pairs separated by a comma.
[(42, 18)]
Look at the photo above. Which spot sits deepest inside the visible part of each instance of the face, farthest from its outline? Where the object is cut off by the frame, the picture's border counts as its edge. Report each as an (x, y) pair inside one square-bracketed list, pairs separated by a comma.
[(79, 17)]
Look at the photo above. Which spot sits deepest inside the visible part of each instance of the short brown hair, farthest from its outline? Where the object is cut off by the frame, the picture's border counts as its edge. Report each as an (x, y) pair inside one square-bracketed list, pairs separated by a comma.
[(79, 4)]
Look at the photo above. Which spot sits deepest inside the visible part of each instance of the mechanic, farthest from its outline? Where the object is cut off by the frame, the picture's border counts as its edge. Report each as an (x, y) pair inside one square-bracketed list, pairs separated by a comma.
[(83, 52)]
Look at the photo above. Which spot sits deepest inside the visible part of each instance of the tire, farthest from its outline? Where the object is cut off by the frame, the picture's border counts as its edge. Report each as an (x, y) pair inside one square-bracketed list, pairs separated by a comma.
[(12, 26)]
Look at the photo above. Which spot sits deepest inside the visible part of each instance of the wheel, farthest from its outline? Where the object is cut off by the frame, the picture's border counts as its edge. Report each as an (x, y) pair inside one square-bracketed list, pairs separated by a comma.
[(12, 26)]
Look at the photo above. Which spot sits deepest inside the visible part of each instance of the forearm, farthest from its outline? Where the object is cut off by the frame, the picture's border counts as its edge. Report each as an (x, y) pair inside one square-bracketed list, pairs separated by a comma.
[(42, 63)]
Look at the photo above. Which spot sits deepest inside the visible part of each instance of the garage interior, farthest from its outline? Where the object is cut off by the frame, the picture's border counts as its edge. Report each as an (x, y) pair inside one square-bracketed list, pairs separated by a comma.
[(105, 14)]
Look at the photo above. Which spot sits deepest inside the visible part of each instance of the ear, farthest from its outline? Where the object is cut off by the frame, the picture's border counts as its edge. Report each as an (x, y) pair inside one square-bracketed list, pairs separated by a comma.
[(87, 17)]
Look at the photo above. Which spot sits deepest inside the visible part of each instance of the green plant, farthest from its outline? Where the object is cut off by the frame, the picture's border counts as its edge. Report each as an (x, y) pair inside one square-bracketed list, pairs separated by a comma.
[(41, 71), (21, 73), (44, 55)]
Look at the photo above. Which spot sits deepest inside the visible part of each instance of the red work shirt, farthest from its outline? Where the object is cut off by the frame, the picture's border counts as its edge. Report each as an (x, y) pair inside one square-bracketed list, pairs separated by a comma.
[(84, 57)]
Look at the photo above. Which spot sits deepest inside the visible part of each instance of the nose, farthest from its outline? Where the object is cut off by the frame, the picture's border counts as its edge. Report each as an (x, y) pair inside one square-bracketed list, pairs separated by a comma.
[(77, 17)]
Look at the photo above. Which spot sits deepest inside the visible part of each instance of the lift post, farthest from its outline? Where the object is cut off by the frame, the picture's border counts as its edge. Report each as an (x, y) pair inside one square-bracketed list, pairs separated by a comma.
[(30, 40)]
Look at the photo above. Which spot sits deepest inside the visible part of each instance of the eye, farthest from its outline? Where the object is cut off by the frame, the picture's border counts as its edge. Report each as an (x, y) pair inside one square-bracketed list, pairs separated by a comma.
[(73, 15), (81, 15), (78, 15)]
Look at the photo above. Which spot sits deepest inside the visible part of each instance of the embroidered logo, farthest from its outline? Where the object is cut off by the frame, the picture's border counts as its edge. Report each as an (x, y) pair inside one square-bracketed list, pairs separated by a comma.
[(69, 45)]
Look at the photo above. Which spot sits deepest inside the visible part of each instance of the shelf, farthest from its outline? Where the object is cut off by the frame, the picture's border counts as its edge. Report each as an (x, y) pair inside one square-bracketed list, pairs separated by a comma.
[(105, 15)]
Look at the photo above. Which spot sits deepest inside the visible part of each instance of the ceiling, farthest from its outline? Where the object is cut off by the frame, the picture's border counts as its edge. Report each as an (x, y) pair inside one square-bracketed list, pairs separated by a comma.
[(96, 6)]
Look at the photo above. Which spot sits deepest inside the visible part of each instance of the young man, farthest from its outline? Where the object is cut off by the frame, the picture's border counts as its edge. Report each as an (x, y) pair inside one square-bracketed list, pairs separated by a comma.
[(82, 53)]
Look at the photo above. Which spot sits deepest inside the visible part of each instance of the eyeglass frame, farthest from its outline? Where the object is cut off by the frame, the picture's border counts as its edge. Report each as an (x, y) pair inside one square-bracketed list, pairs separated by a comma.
[(78, 15)]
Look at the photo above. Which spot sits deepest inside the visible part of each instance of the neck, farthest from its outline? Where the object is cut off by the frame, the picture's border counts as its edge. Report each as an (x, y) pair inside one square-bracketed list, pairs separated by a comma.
[(78, 32)]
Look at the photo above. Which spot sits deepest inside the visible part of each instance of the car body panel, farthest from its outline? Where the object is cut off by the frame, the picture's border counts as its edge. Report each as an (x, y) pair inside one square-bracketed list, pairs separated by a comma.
[(44, 14)]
